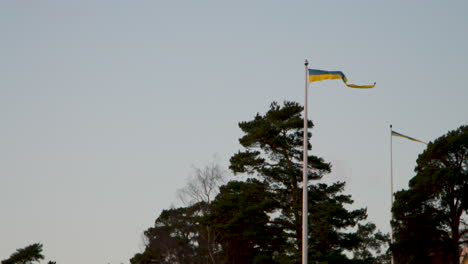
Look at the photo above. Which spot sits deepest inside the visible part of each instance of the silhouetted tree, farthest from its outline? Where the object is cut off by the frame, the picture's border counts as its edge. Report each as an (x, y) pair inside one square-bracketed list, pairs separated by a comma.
[(430, 218), (239, 215), (29, 254)]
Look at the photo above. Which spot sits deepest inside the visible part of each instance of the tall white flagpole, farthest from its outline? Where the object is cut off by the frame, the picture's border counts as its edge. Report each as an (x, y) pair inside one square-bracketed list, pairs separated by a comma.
[(305, 228), (391, 190)]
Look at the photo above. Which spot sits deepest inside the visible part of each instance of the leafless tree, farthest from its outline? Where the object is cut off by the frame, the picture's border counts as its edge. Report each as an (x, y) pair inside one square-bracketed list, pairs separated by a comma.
[(202, 187), (203, 184)]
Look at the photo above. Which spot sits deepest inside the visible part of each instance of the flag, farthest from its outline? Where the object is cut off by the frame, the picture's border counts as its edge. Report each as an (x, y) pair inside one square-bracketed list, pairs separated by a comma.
[(319, 75), (396, 134)]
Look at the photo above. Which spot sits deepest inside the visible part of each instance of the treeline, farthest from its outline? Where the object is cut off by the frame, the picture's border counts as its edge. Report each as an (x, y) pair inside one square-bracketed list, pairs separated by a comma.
[(259, 220)]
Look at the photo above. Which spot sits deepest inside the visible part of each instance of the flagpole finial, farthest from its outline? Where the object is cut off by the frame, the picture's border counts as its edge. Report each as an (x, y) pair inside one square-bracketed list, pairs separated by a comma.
[(306, 62)]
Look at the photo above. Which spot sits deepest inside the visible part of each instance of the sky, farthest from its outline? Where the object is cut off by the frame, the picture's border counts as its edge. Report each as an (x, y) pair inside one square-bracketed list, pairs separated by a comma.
[(106, 106)]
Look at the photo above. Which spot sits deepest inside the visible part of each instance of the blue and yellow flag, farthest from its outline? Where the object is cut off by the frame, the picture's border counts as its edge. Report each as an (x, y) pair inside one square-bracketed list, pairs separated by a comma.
[(319, 75), (396, 134)]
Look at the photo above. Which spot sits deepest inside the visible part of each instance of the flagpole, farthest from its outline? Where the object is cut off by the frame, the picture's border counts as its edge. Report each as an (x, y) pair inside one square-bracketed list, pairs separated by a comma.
[(391, 191), (304, 175)]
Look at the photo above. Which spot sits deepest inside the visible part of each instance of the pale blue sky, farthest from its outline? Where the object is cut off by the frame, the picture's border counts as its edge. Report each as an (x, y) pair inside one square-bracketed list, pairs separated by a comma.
[(106, 105)]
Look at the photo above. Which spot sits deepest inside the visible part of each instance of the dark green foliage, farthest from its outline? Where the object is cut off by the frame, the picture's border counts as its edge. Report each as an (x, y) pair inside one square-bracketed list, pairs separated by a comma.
[(417, 238), (29, 254), (273, 151), (177, 237), (149, 256), (371, 244), (239, 215), (429, 219), (329, 220)]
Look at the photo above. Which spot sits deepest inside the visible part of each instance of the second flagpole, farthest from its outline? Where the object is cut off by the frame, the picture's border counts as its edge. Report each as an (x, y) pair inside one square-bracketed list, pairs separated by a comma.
[(391, 190)]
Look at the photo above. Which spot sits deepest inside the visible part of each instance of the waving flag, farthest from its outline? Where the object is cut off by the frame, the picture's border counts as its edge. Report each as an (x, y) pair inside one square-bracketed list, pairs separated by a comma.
[(319, 75), (396, 134)]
